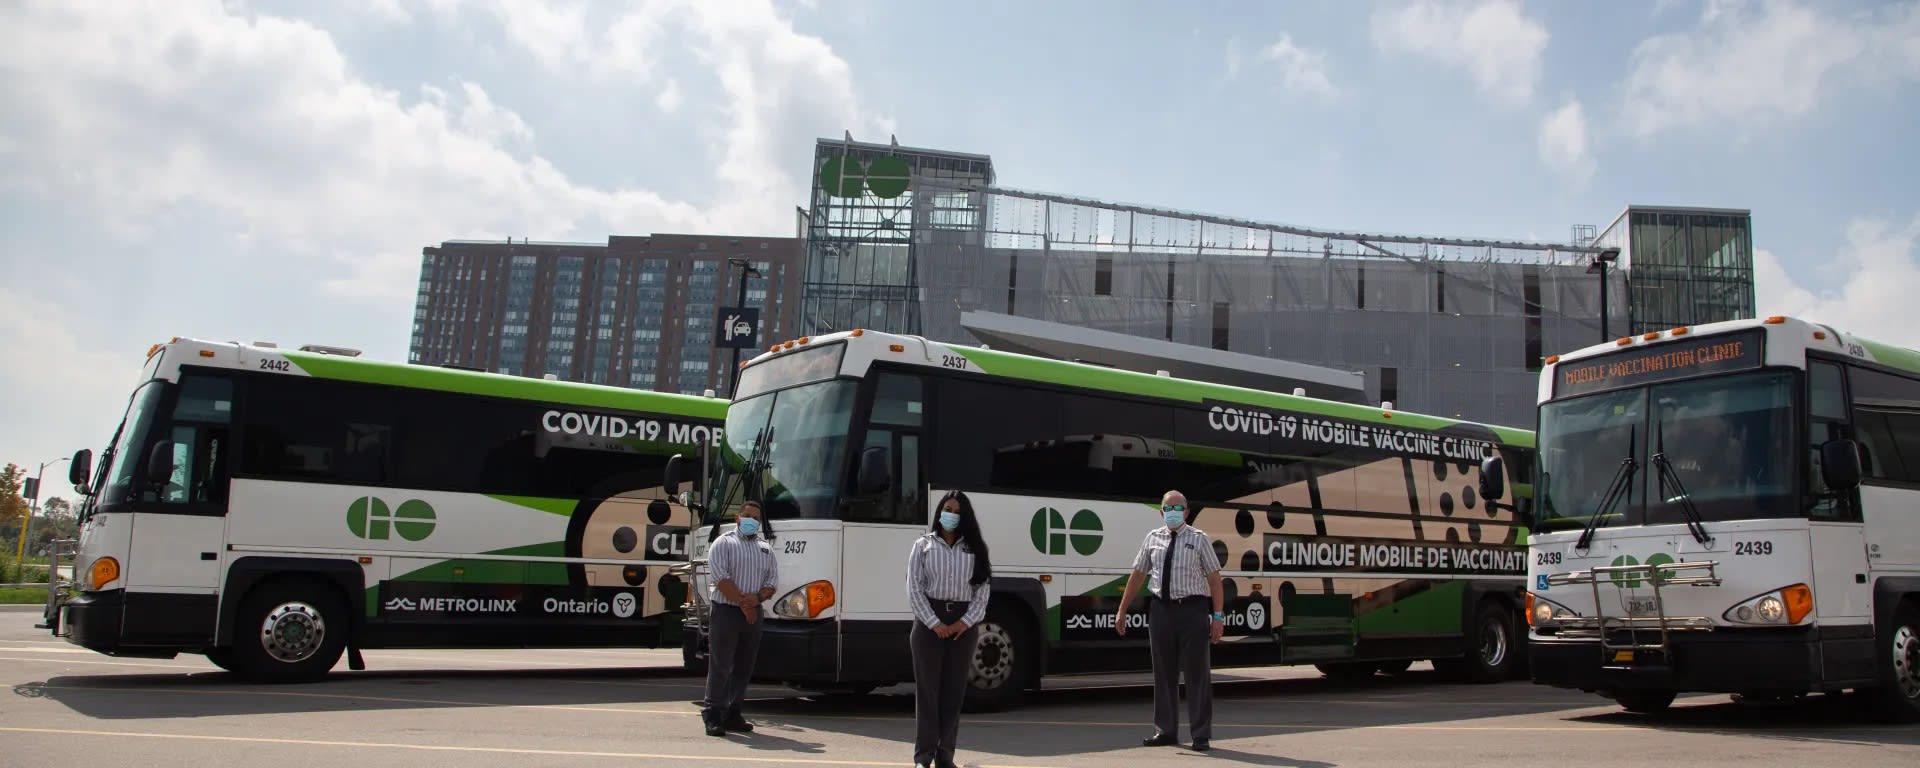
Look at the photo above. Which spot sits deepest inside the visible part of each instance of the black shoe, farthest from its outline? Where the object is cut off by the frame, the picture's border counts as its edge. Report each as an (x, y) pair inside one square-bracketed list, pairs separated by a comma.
[(739, 724), (1201, 745), (714, 729), (1159, 740)]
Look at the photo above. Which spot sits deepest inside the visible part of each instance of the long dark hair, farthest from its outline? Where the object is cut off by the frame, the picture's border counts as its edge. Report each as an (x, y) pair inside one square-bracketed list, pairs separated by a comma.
[(969, 533)]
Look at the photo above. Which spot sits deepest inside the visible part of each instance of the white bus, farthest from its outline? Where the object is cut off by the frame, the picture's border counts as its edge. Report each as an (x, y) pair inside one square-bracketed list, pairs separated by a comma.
[(1729, 508), (1354, 538), (270, 508)]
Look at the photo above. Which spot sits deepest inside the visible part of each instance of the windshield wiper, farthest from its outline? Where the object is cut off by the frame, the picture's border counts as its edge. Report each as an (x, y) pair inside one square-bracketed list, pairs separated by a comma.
[(750, 469), (1616, 490), (1695, 524)]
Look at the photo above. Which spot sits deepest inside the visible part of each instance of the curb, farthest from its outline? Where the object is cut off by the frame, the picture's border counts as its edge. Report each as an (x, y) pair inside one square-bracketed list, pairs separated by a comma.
[(23, 608)]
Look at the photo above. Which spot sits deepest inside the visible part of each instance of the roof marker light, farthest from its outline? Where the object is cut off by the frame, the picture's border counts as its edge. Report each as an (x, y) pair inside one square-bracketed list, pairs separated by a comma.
[(1650, 336), (1776, 320), (859, 332), (1680, 331), (206, 353), (1551, 359), (1623, 341), (896, 347), (1820, 335)]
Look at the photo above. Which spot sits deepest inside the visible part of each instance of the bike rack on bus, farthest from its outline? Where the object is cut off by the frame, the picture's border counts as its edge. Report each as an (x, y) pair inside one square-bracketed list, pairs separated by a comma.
[(1625, 577), (57, 589)]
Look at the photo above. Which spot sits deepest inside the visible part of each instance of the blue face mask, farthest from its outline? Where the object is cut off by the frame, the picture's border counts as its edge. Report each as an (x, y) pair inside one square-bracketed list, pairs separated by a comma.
[(950, 520), (1175, 514), (749, 526)]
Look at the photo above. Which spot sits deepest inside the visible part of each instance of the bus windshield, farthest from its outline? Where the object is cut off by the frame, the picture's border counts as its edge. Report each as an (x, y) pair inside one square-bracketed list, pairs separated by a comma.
[(1724, 444), (787, 450), (119, 464)]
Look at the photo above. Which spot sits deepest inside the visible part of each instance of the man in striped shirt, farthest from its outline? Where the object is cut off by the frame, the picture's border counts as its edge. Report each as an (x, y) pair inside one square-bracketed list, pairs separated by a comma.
[(740, 561), (1183, 576)]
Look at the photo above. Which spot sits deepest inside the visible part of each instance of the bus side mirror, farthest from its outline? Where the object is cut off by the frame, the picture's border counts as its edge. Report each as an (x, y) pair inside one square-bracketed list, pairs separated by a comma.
[(1840, 464), (1493, 478), (160, 463), (876, 471), (671, 483), (82, 469)]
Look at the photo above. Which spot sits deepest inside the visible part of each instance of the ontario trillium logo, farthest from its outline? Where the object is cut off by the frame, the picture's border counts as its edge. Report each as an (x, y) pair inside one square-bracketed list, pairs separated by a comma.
[(1256, 616), (1052, 535), (369, 518)]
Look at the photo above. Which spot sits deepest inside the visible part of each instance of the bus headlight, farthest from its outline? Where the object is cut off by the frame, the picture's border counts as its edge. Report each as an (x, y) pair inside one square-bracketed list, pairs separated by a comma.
[(1782, 607), (1542, 612), (805, 602)]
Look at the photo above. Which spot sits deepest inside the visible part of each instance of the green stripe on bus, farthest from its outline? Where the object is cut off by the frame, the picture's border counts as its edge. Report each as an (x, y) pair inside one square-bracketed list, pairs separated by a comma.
[(561, 507), (499, 571), (1434, 610), (1897, 357), (998, 363), (514, 387)]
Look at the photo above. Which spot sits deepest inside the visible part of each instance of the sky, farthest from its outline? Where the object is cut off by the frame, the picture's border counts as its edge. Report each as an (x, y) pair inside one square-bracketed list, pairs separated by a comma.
[(259, 170)]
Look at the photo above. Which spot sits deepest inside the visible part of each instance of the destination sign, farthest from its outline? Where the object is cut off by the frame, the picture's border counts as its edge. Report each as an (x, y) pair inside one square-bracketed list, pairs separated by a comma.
[(1660, 362)]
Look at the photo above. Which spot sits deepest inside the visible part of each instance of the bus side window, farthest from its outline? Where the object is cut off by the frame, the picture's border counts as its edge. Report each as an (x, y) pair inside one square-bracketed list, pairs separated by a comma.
[(202, 424)]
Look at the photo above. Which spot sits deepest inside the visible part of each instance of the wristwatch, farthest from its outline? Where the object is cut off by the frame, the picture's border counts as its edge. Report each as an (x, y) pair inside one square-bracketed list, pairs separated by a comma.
[(1219, 617)]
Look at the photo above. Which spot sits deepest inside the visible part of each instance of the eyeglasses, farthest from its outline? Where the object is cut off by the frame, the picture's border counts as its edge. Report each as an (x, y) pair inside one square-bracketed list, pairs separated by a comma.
[(1173, 507)]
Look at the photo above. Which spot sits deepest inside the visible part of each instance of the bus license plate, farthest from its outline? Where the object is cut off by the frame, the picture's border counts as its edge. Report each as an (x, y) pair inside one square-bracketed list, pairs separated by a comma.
[(1637, 607), (1623, 657)]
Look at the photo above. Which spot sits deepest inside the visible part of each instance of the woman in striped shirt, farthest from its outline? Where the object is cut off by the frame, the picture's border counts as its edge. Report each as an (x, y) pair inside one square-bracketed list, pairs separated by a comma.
[(948, 580)]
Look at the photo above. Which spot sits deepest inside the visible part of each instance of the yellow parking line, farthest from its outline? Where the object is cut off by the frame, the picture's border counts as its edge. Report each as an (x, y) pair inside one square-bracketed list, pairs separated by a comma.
[(439, 748)]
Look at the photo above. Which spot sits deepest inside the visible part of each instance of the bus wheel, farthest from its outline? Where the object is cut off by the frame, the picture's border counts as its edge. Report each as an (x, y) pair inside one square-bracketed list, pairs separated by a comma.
[(289, 632), (1897, 698), (1644, 702), (1491, 640), (1004, 658)]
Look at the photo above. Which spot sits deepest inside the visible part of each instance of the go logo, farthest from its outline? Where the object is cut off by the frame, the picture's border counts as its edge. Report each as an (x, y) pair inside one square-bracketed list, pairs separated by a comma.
[(369, 518), (886, 177), (1052, 535), (1630, 581)]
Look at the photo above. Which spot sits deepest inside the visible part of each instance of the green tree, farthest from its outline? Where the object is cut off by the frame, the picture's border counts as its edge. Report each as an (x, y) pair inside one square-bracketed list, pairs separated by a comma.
[(58, 520), (13, 509)]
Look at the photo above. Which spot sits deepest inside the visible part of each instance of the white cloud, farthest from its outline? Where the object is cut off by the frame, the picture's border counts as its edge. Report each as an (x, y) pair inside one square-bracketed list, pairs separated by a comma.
[(1876, 299), (1563, 143), (1748, 63), (257, 137), (1301, 69), (669, 98), (1491, 39)]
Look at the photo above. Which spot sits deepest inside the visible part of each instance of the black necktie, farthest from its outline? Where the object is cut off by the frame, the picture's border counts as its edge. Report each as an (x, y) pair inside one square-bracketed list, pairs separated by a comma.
[(1166, 568)]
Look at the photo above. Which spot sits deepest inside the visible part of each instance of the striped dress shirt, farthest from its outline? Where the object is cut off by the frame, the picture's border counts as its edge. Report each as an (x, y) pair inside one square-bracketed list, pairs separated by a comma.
[(937, 570), (748, 563), (1193, 560)]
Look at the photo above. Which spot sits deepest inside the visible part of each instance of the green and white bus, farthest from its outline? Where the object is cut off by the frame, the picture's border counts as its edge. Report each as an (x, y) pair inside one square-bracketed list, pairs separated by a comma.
[(1729, 508), (1355, 538), (270, 508)]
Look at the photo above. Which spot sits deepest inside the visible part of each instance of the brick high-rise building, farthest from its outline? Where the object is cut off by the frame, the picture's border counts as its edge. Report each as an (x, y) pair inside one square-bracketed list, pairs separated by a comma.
[(636, 312)]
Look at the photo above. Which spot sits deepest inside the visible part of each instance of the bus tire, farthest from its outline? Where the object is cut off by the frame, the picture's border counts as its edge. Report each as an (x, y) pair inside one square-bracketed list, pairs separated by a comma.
[(1897, 697), (1005, 656), (1492, 651), (290, 631), (1644, 702)]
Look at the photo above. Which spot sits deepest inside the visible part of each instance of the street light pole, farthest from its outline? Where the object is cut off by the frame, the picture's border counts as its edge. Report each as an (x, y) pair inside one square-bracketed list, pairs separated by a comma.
[(1599, 266), (746, 270), (26, 528)]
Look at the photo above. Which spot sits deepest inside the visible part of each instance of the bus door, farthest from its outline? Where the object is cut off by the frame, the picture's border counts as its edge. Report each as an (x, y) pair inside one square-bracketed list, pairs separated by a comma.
[(881, 526), (179, 520), (1837, 536)]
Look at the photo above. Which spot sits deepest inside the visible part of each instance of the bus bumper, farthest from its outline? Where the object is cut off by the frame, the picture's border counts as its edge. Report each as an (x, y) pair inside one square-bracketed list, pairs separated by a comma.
[(827, 654), (1739, 661), (157, 626)]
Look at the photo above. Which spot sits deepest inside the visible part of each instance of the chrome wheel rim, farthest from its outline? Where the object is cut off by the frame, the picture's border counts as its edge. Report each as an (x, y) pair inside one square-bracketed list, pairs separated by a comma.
[(1493, 643), (293, 632), (992, 657), (1906, 661)]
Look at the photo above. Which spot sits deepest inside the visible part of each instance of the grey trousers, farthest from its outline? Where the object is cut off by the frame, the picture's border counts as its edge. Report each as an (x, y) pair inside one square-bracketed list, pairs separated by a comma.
[(1179, 634), (732, 646), (940, 670)]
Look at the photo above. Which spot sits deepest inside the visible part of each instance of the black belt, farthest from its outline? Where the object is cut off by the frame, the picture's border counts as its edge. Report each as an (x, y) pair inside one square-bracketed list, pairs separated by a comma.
[(949, 611), (1184, 600)]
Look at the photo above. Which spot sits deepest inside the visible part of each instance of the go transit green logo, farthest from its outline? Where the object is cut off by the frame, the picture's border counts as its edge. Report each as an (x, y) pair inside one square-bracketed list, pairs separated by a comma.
[(1630, 581), (1052, 535), (369, 518)]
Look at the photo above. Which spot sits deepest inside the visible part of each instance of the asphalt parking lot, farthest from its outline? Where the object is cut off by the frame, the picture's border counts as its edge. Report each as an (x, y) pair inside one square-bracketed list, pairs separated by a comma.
[(70, 706)]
